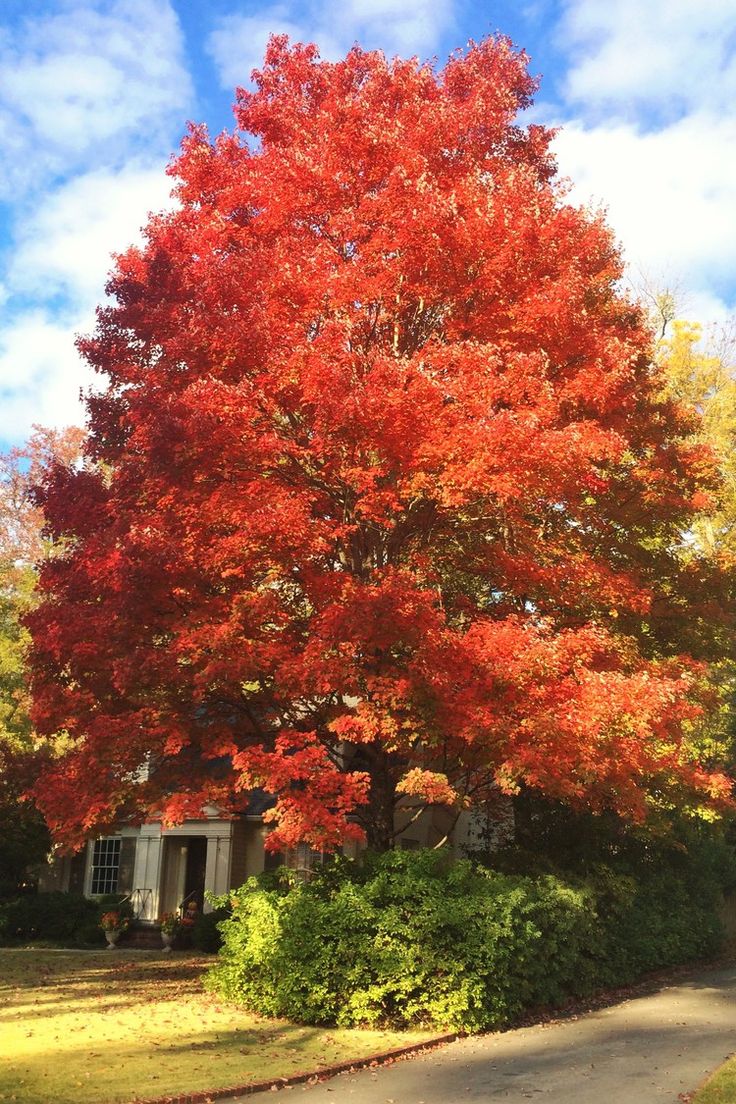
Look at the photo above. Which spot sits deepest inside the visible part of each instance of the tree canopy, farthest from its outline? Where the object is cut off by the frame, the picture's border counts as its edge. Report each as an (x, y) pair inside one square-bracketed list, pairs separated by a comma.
[(698, 371), (384, 498), (24, 838)]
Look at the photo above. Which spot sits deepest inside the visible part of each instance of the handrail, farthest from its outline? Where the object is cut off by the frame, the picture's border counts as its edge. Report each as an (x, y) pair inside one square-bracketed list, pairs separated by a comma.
[(189, 897), (144, 897)]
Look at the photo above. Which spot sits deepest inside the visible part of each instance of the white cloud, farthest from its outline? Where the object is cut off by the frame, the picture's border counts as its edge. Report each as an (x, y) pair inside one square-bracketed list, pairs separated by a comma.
[(701, 305), (674, 55), (63, 256), (40, 374), (65, 247), (238, 41), (670, 194), (408, 27), (87, 81), (92, 99), (649, 132)]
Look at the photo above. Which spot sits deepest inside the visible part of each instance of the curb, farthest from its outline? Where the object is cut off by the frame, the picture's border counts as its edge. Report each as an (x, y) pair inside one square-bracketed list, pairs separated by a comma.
[(322, 1074), (689, 1097)]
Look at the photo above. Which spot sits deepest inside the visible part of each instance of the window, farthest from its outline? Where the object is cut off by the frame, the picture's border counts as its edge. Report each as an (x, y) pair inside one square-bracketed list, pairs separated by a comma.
[(306, 858), (303, 859), (105, 865)]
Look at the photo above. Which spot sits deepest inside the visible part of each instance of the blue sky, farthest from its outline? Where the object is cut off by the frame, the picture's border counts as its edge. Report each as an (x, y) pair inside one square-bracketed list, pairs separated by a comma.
[(94, 96)]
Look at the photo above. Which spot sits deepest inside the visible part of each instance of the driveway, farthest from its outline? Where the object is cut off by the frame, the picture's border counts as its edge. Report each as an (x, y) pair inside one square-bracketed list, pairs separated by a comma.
[(646, 1050)]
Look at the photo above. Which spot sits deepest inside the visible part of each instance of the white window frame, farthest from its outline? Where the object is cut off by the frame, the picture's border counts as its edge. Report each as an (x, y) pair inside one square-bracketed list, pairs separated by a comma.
[(113, 852)]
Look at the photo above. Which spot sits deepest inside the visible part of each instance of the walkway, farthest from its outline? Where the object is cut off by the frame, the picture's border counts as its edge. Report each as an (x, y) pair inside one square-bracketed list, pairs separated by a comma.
[(647, 1050)]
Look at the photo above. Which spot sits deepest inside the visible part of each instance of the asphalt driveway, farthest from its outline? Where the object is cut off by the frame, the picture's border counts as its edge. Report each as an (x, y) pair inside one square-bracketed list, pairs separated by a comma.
[(646, 1050)]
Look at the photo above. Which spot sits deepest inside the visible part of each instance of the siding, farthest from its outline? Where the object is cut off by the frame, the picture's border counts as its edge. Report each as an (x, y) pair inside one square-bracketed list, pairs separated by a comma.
[(77, 871), (247, 856), (127, 864), (239, 854)]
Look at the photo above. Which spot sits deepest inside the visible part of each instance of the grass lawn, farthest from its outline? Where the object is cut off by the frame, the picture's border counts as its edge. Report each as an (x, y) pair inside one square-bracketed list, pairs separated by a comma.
[(109, 1026), (721, 1087)]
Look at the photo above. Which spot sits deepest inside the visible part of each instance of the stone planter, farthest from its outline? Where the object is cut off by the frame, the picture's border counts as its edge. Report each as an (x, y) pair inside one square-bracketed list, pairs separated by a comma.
[(167, 938), (112, 938)]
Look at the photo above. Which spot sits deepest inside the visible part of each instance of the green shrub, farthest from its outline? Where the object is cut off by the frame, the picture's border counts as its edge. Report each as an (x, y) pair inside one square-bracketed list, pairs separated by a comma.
[(413, 938), (51, 916), (206, 934), (67, 918), (113, 902), (89, 932), (658, 893), (659, 920)]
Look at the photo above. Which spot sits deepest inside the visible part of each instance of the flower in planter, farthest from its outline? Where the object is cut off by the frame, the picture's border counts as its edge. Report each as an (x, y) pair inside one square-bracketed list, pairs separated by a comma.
[(189, 915), (113, 921), (170, 923)]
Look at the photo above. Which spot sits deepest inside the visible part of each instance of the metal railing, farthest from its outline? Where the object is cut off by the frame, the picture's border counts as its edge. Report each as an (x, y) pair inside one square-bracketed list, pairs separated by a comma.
[(184, 909), (140, 900)]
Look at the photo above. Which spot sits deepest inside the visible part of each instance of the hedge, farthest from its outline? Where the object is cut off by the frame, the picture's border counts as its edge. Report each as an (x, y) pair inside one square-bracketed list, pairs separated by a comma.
[(206, 933), (61, 917), (414, 938)]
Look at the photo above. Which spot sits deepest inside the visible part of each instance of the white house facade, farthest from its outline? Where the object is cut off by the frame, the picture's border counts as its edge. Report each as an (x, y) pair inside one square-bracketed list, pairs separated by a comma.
[(163, 869)]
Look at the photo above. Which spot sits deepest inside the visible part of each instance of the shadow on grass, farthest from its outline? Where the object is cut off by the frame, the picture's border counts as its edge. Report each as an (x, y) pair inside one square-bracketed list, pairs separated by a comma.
[(40, 987), (97, 1029), (105, 1073), (234, 1058)]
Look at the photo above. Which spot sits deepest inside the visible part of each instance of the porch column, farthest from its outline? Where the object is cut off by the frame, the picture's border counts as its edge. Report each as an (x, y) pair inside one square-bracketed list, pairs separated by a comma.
[(147, 872), (217, 870)]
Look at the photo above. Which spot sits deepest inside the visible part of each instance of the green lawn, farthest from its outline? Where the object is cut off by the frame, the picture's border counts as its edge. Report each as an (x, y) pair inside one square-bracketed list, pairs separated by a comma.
[(114, 1026), (721, 1087)]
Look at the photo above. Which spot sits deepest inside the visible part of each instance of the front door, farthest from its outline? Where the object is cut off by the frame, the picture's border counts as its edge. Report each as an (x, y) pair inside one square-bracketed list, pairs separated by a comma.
[(185, 858), (195, 871)]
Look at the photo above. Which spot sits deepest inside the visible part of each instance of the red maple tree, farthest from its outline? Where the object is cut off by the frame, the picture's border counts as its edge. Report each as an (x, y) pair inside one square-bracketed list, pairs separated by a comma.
[(385, 498)]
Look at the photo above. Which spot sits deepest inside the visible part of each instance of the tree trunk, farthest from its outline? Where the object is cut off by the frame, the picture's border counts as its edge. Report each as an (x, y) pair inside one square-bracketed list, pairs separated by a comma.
[(378, 814)]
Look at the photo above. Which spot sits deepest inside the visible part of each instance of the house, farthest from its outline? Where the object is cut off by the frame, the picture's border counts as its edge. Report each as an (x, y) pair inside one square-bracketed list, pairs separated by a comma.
[(162, 868)]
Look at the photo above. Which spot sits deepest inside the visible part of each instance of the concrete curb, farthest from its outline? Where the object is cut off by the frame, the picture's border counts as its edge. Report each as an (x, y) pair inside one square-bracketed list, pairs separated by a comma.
[(690, 1096), (321, 1074)]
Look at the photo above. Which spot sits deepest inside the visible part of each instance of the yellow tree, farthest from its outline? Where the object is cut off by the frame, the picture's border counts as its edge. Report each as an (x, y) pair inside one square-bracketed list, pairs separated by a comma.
[(24, 838), (699, 372)]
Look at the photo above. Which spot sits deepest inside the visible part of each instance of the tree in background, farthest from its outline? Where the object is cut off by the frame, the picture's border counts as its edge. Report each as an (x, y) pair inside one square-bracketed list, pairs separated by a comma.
[(385, 500), (24, 838), (698, 369), (699, 373)]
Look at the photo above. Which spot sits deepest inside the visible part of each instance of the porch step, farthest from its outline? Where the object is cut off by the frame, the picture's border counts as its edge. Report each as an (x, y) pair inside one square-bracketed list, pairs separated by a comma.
[(142, 937)]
